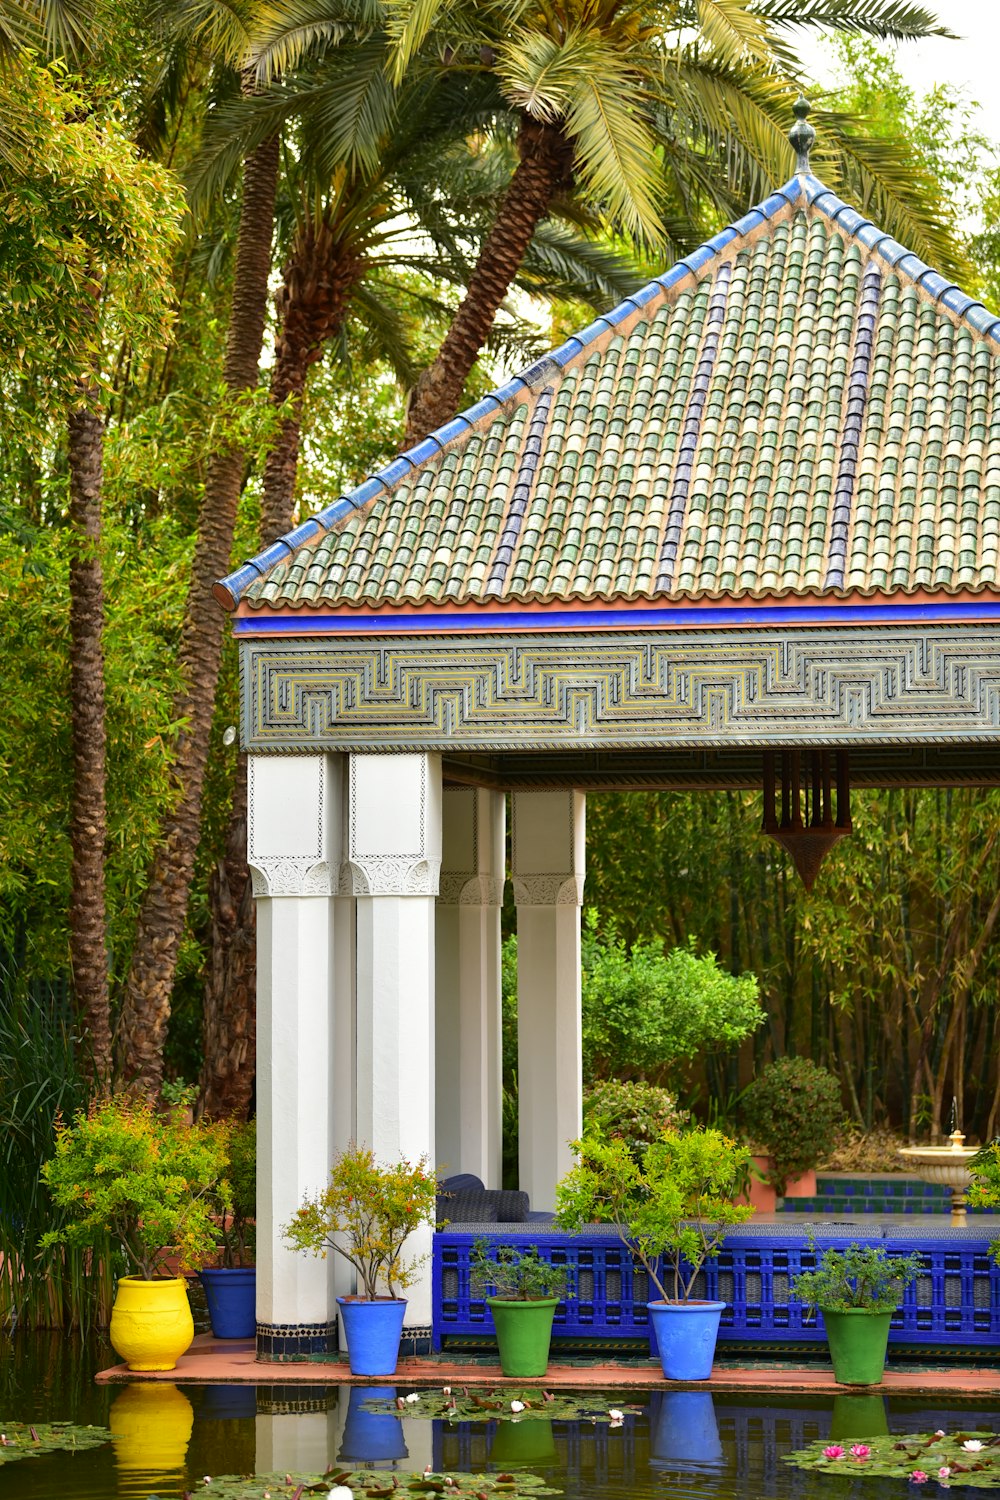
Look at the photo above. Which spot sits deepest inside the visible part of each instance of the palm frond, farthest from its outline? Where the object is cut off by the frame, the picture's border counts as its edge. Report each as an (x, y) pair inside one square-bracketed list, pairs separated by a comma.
[(893, 20), (735, 30), (288, 33)]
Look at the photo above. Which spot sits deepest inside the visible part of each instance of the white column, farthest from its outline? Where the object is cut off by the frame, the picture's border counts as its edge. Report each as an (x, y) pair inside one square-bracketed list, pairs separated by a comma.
[(394, 855), (467, 999), (547, 865), (294, 841)]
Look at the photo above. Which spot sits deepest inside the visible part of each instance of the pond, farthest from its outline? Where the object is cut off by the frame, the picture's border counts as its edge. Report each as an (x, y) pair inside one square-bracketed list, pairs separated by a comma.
[(670, 1444)]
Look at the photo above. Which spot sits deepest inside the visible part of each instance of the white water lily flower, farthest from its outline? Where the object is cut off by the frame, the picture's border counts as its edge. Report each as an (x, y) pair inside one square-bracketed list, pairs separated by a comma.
[(517, 1406), (616, 1415), (972, 1445), (341, 1492), (446, 1390), (413, 1396)]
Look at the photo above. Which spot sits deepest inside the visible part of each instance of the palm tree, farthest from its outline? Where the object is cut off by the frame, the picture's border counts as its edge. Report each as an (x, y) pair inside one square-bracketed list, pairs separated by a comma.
[(618, 97)]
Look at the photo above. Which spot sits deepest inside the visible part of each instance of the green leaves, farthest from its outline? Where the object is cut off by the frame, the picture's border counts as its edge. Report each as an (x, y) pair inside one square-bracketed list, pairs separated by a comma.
[(792, 1110), (862, 1276), (366, 1213), (31, 1440), (507, 1271), (968, 1458)]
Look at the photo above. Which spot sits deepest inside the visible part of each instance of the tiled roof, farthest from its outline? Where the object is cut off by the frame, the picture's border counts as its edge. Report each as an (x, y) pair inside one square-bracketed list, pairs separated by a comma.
[(799, 408)]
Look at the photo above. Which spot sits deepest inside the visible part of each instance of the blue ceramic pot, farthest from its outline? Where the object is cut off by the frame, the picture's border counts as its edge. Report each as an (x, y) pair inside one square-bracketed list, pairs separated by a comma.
[(683, 1430), (371, 1437), (231, 1294), (686, 1334), (373, 1331)]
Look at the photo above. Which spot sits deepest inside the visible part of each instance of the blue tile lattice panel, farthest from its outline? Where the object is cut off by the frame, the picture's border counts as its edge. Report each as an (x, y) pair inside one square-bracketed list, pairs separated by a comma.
[(955, 1301)]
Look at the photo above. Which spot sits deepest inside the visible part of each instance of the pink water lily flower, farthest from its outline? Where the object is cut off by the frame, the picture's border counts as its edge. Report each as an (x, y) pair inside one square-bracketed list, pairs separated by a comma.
[(944, 1472), (918, 1477), (834, 1451), (860, 1451)]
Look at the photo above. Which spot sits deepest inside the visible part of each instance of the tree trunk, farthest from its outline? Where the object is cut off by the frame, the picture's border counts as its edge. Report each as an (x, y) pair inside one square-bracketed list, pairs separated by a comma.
[(230, 1011), (311, 304), (545, 166), (146, 1005), (88, 816)]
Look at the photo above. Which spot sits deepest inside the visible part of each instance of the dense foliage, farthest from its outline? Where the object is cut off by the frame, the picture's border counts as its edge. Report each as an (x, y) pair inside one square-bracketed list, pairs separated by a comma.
[(862, 1276), (792, 1111), (634, 1112), (514, 1274)]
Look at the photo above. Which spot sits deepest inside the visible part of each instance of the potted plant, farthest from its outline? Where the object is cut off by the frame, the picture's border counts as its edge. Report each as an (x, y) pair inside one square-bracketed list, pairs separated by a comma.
[(857, 1290), (231, 1288), (143, 1181), (365, 1214), (675, 1205), (526, 1291), (792, 1113)]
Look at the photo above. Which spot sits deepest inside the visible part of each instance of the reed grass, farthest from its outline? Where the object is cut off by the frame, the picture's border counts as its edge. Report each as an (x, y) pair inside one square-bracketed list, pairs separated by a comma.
[(40, 1079)]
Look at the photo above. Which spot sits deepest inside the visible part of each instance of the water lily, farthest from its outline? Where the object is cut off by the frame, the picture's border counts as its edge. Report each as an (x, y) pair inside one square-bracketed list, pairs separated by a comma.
[(860, 1451), (615, 1414), (340, 1492), (517, 1406), (413, 1396), (834, 1451), (944, 1472), (918, 1477), (972, 1445), (446, 1390)]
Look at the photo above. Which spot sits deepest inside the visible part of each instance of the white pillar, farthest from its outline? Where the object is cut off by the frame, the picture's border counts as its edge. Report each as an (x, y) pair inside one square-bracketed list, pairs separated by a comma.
[(467, 991), (547, 866), (394, 855), (294, 841)]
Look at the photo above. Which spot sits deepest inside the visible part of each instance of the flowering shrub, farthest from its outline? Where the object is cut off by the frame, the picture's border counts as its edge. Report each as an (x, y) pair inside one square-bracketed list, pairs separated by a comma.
[(143, 1179), (636, 1113), (365, 1214), (792, 1111)]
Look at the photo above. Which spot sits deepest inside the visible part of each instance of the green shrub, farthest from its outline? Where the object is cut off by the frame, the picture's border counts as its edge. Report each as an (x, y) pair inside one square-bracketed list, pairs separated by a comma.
[(792, 1111), (146, 1180), (858, 1277), (237, 1230), (677, 1203), (984, 1189), (636, 1113), (513, 1274)]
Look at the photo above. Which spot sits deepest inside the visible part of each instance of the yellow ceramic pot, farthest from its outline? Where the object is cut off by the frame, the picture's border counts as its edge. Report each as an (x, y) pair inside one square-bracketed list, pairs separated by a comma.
[(151, 1323)]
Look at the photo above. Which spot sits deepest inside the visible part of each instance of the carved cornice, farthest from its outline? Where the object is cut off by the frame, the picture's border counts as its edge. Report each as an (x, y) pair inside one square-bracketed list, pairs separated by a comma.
[(292, 877), (470, 888), (548, 890), (387, 875)]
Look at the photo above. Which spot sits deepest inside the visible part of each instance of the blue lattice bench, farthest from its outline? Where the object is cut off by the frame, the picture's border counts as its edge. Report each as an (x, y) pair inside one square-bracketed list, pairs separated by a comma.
[(956, 1302)]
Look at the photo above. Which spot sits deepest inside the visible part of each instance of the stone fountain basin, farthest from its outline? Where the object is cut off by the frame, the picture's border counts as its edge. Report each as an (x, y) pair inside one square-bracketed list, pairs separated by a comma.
[(944, 1164)]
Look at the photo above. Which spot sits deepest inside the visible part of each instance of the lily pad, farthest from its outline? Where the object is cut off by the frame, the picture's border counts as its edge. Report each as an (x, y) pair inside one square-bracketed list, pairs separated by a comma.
[(374, 1484), (938, 1458), (31, 1439), (462, 1404)]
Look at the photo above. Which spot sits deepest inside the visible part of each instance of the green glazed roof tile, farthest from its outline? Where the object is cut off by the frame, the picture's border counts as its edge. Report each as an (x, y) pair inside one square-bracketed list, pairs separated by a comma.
[(795, 417)]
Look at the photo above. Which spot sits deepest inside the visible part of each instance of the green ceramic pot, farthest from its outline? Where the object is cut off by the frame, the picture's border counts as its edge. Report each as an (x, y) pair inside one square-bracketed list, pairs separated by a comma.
[(858, 1341), (524, 1330)]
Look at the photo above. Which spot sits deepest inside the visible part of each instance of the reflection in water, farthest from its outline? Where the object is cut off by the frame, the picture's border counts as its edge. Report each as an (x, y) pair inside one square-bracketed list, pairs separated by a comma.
[(859, 1417), (152, 1422), (530, 1443), (371, 1437), (683, 1430)]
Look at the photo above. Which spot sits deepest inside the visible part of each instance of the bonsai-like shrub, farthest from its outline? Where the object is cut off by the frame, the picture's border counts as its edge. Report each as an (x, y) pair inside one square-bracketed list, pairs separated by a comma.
[(858, 1277), (792, 1112), (236, 1228), (646, 1012), (636, 1113), (677, 1203), (143, 1180), (513, 1274), (365, 1214), (984, 1189)]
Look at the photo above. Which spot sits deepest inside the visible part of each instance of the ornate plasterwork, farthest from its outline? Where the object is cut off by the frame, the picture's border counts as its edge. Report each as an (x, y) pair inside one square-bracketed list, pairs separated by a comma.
[(548, 890), (388, 875), (292, 877), (470, 888), (851, 685)]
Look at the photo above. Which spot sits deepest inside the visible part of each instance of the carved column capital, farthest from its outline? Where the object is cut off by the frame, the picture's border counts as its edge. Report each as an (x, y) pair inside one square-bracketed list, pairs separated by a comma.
[(548, 890), (292, 877), (389, 875), (470, 888)]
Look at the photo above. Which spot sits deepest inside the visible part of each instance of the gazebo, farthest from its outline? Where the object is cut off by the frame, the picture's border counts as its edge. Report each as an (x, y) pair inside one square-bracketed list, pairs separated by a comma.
[(755, 508)]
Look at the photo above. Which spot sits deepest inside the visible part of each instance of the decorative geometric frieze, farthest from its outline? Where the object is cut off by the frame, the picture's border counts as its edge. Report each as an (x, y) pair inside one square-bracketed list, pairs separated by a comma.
[(931, 684)]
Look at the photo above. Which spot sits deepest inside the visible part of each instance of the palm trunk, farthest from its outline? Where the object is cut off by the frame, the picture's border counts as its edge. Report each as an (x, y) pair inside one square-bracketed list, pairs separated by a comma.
[(545, 166), (311, 306), (88, 815), (146, 1005)]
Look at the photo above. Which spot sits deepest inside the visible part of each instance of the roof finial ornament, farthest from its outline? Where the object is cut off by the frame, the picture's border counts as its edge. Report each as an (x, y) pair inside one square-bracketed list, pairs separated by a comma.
[(802, 135)]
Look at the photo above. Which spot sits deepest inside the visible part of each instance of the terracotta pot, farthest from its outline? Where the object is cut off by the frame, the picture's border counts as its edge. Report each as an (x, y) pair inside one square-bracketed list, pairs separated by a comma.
[(761, 1195), (801, 1187)]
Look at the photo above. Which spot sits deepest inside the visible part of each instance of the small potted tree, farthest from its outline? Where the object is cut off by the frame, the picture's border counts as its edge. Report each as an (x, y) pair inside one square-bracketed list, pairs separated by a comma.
[(526, 1291), (857, 1290), (365, 1214), (675, 1206), (792, 1114), (144, 1183), (231, 1287)]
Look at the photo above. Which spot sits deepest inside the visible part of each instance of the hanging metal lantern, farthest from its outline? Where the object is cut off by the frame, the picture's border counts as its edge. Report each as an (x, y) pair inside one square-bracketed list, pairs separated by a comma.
[(806, 825)]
